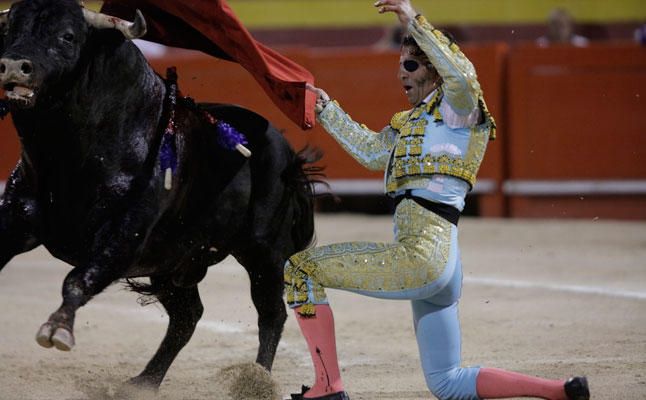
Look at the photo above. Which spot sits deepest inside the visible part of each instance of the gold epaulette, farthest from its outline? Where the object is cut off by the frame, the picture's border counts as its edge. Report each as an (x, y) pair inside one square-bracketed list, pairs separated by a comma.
[(399, 119)]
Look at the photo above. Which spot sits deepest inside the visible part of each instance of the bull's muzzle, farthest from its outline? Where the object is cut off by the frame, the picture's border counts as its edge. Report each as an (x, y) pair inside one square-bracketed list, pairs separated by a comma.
[(17, 70), (16, 77)]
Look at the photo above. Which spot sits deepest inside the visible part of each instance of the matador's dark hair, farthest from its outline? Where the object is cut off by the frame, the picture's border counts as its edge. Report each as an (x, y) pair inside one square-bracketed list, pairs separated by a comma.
[(408, 41)]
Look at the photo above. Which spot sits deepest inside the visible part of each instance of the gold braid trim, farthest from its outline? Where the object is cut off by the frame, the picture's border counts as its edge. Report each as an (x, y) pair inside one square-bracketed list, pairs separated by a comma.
[(433, 106), (488, 117), (400, 121), (297, 272), (296, 280), (307, 310)]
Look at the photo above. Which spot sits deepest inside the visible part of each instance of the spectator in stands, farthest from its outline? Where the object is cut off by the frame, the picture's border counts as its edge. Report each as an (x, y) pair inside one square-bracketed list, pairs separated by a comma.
[(431, 155), (560, 30), (391, 39), (640, 35)]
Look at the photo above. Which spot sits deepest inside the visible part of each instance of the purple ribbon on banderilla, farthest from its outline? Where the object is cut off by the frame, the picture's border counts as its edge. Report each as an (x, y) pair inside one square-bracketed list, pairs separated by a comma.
[(228, 136)]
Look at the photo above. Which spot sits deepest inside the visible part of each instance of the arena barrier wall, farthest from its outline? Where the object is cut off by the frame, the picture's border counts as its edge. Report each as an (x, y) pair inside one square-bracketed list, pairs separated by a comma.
[(570, 138), (577, 142)]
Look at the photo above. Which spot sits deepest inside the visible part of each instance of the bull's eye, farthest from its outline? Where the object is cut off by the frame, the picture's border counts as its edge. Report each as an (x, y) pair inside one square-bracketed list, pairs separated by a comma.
[(68, 37)]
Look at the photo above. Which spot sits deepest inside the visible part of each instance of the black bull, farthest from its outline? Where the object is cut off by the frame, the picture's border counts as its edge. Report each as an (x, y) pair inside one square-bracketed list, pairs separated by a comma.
[(90, 113)]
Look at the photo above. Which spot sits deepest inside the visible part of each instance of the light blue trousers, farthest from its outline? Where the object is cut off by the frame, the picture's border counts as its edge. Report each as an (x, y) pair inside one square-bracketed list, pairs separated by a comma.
[(435, 313), (437, 329)]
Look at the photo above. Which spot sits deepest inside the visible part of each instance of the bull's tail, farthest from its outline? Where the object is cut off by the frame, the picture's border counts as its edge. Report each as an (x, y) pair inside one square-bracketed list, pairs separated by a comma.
[(149, 293), (300, 178)]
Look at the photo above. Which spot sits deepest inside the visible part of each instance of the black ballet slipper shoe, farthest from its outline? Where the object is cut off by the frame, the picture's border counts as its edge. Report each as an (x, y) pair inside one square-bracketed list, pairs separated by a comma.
[(333, 396), (576, 388)]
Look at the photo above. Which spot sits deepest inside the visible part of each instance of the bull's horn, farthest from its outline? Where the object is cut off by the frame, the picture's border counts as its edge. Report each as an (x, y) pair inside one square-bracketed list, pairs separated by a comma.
[(131, 30), (4, 15)]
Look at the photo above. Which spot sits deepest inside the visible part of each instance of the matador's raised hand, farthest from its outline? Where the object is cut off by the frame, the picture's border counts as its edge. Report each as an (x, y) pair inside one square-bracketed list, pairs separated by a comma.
[(322, 98), (403, 9)]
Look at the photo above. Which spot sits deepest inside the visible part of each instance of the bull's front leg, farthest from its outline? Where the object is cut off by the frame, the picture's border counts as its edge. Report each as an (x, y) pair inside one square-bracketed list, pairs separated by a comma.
[(80, 285), (114, 250), (18, 216)]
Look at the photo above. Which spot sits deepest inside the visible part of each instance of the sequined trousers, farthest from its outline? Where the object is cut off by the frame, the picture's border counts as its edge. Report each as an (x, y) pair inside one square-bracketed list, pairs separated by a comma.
[(422, 265), (418, 264)]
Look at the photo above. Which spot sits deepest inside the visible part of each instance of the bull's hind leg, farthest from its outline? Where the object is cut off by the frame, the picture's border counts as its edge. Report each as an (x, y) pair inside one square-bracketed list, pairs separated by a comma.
[(184, 309), (266, 277)]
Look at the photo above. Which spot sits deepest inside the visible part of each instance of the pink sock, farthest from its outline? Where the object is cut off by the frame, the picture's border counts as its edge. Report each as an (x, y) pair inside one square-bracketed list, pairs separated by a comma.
[(319, 335), (493, 383)]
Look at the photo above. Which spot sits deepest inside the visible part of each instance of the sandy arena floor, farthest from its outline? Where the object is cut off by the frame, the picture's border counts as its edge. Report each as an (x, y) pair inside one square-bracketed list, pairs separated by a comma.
[(551, 298)]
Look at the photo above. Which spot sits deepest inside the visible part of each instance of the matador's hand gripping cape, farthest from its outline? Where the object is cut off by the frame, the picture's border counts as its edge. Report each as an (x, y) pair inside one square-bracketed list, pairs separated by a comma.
[(211, 26)]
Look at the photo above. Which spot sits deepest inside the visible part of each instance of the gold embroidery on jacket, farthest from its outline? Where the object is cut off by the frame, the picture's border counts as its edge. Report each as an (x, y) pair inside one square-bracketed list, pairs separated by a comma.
[(400, 148), (400, 168), (415, 146), (414, 167)]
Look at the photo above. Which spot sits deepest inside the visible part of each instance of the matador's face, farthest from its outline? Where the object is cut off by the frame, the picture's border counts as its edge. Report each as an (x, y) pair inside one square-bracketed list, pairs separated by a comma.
[(417, 75)]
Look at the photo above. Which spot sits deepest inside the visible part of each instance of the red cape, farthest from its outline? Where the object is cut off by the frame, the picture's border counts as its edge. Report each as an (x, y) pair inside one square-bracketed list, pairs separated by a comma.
[(212, 27)]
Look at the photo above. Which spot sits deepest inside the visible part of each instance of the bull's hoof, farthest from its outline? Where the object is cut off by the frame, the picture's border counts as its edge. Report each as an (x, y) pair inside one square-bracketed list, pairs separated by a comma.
[(48, 336), (43, 337), (63, 339), (145, 382), (137, 388)]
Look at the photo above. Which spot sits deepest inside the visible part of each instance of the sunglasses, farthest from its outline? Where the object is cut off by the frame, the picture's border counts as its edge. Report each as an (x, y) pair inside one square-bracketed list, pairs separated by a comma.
[(411, 65)]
